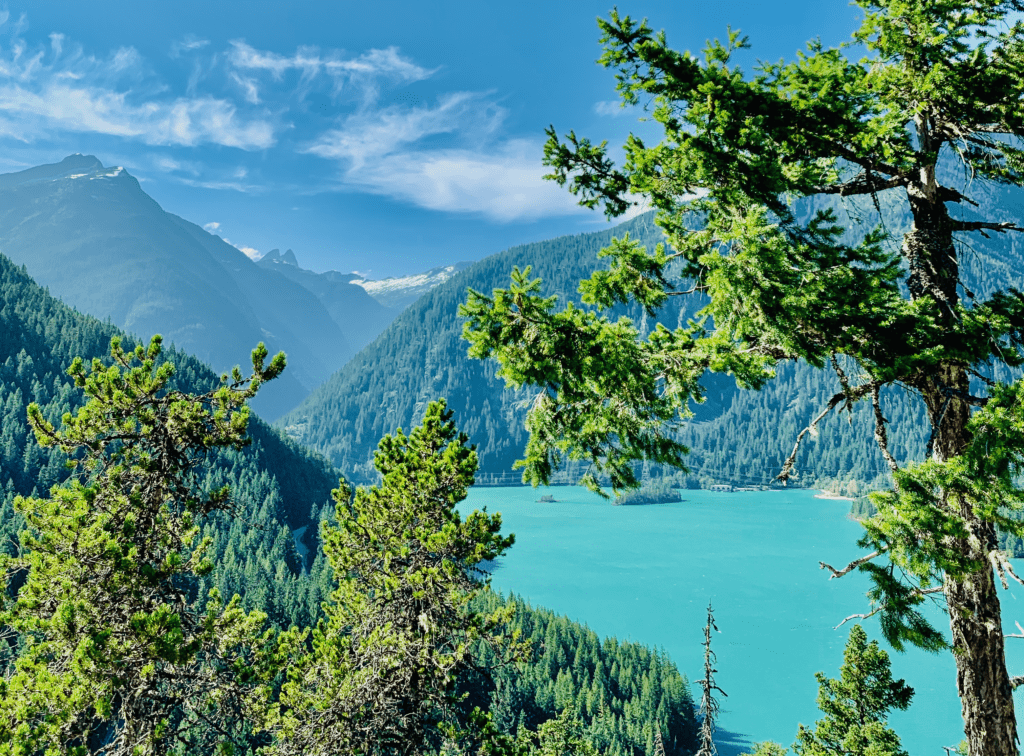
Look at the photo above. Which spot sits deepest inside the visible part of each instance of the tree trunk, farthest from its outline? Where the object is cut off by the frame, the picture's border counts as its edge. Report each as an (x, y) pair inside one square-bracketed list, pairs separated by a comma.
[(986, 699), (975, 620)]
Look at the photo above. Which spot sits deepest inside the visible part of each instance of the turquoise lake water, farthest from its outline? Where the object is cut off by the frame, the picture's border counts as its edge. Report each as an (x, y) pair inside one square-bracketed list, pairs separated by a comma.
[(646, 573)]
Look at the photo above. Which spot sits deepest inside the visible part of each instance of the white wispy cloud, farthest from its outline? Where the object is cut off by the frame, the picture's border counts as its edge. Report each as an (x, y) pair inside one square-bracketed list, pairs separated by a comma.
[(189, 44), (611, 108), (181, 121), (219, 184), (372, 65), (49, 88), (392, 151), (367, 135), (248, 87), (505, 183), (451, 152), (211, 227), (167, 164)]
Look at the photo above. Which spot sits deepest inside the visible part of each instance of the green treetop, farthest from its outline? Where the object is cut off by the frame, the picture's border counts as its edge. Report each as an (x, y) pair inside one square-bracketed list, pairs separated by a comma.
[(743, 181), (379, 676), (856, 705), (110, 655)]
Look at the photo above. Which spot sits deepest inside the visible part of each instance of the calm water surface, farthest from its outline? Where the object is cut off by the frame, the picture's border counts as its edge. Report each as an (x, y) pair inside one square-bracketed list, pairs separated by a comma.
[(647, 573)]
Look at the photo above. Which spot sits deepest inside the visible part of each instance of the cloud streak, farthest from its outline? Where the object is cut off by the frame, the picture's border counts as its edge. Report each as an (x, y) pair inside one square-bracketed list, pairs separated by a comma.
[(59, 104), (45, 90), (392, 151), (387, 63), (451, 153), (504, 184)]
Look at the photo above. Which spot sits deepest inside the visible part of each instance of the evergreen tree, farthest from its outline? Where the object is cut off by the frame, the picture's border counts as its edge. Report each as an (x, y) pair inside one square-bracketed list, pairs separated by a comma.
[(940, 85), (561, 736), (856, 704), (380, 675), (768, 748), (111, 655)]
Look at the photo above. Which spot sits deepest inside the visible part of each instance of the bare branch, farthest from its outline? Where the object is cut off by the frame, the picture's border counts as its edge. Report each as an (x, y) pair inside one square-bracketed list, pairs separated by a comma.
[(692, 290), (863, 183), (867, 163), (866, 615), (992, 128), (947, 194), (965, 396), (844, 381), (880, 607), (1003, 567), (1016, 681), (881, 437), (984, 378), (850, 395), (930, 448), (851, 566), (983, 226)]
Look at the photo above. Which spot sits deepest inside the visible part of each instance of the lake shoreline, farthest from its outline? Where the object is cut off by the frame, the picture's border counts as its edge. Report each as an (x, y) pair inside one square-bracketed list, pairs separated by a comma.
[(830, 496)]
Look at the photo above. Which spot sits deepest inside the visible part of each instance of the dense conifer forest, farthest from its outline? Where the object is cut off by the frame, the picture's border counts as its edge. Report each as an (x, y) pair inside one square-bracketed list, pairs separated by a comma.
[(618, 692), (830, 235), (623, 692), (281, 483), (737, 436)]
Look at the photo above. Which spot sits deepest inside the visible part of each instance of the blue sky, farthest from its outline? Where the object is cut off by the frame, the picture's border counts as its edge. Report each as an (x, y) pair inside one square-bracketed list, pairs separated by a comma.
[(383, 137)]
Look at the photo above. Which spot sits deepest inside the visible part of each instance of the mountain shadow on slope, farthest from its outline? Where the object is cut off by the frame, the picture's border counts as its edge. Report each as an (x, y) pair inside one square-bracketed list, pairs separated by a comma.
[(338, 295), (100, 243)]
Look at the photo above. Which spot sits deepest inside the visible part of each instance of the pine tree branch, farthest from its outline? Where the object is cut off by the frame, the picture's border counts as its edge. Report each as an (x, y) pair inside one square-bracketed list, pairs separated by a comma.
[(880, 607), (866, 162)]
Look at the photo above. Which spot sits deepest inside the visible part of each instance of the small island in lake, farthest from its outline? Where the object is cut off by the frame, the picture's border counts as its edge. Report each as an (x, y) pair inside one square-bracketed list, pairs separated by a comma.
[(654, 493), (547, 499)]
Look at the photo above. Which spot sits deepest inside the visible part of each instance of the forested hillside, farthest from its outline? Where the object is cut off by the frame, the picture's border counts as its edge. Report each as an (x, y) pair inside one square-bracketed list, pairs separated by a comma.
[(735, 436), (624, 692), (280, 487)]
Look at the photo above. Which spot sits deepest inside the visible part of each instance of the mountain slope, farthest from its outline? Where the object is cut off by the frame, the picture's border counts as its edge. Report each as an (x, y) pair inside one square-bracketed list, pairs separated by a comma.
[(421, 356), (277, 485), (103, 245), (741, 437), (362, 316)]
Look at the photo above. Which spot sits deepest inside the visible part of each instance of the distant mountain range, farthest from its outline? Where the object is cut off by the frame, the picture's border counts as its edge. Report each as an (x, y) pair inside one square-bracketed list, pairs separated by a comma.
[(100, 243), (352, 308), (403, 291)]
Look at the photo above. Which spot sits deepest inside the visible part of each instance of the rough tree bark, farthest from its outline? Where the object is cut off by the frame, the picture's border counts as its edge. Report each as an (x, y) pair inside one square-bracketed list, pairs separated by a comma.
[(983, 684)]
